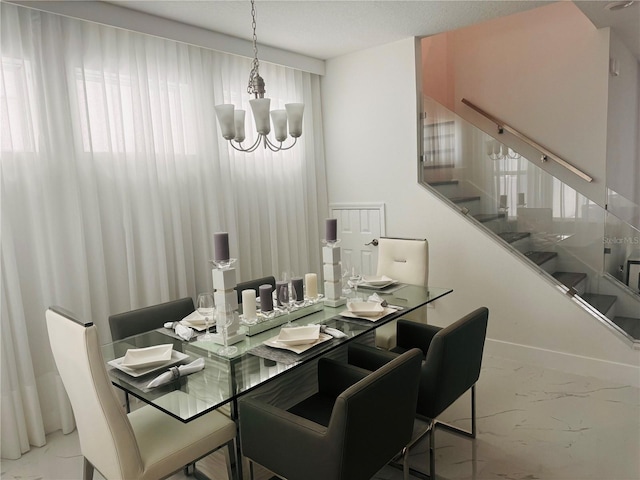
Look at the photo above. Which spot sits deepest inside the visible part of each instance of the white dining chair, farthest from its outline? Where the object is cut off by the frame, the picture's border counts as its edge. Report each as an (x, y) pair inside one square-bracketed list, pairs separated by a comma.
[(407, 261), (146, 444)]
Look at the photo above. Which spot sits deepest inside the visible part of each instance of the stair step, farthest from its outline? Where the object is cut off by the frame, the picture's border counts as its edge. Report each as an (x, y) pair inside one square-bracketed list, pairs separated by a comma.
[(540, 257), (511, 237), (629, 325), (471, 198), (439, 165), (440, 183), (487, 217), (602, 303), (570, 279)]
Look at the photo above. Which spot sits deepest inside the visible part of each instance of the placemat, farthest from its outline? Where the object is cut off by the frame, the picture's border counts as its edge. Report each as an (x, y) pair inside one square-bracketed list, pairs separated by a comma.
[(172, 333), (284, 356), (141, 382)]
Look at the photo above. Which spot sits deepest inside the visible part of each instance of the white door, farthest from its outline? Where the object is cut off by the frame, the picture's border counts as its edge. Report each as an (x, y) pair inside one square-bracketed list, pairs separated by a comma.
[(358, 226)]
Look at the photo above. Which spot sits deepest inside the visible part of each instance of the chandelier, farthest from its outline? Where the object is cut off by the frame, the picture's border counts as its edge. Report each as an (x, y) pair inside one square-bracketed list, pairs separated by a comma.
[(499, 151), (232, 121)]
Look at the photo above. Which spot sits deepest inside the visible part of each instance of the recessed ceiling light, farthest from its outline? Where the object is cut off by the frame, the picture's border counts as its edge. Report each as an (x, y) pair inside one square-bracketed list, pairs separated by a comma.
[(619, 5)]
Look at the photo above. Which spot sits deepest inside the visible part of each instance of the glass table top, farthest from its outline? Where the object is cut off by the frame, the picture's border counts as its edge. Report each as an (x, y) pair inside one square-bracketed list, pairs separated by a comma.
[(224, 379)]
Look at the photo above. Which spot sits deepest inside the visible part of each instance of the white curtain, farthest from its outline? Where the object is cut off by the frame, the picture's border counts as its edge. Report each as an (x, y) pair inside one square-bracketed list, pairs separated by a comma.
[(114, 178)]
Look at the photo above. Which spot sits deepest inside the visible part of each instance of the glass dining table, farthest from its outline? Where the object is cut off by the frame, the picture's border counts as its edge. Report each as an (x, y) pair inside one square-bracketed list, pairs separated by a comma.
[(223, 380)]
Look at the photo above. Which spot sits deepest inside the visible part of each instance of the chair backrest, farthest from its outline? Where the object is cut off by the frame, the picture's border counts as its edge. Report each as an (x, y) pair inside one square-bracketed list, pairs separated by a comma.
[(255, 285), (141, 320), (106, 437), (453, 362), (404, 259), (373, 419)]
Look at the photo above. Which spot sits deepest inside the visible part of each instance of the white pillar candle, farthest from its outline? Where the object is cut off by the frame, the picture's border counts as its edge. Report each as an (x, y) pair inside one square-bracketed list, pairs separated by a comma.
[(249, 303), (311, 282)]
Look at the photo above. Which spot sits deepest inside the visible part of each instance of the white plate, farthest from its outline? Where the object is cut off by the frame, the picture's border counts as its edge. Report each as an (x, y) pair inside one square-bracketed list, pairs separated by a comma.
[(137, 358), (299, 335), (366, 309), (377, 283), (176, 357), (385, 311), (273, 342)]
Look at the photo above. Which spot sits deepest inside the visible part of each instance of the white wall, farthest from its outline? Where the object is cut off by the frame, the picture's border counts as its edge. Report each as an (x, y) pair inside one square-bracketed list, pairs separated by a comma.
[(369, 107), (545, 73)]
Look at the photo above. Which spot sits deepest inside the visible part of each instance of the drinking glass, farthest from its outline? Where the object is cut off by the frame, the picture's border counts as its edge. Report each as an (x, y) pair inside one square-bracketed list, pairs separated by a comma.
[(346, 286), (284, 300), (355, 279), (224, 317), (205, 307)]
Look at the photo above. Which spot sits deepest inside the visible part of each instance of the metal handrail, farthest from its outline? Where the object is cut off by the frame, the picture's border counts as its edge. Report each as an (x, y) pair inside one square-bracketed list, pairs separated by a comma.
[(546, 154)]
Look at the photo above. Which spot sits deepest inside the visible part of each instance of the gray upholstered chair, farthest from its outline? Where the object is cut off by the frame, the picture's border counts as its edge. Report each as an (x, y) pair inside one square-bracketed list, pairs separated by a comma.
[(405, 260), (353, 426), (453, 358), (144, 319), (146, 444), (141, 320), (255, 285)]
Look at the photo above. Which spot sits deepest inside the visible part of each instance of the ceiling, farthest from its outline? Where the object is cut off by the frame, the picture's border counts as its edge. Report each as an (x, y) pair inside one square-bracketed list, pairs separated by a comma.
[(331, 28), (625, 22)]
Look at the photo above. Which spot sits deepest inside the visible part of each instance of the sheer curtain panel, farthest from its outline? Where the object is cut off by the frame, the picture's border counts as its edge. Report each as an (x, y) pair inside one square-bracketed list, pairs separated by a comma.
[(114, 178)]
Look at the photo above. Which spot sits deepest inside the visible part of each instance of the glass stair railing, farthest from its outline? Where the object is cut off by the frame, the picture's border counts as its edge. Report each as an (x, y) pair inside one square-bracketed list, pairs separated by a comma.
[(591, 252)]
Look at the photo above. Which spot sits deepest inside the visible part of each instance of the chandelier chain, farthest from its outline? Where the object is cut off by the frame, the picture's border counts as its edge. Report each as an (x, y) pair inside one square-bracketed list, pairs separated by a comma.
[(254, 74)]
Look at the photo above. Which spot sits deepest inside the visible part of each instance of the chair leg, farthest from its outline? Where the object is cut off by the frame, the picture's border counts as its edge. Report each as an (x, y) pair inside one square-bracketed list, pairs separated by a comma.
[(460, 431), (231, 459), (87, 470), (432, 453), (405, 463)]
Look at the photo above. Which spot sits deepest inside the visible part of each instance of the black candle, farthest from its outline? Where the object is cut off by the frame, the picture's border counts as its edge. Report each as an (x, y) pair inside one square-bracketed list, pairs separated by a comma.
[(331, 233), (282, 293), (266, 300), (298, 289), (221, 247)]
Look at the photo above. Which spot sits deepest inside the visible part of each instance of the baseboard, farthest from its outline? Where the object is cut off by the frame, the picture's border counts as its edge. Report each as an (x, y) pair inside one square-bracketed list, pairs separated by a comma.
[(620, 373)]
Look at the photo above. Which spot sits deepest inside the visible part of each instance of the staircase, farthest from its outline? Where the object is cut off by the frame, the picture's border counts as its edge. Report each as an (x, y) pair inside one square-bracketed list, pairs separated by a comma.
[(551, 244)]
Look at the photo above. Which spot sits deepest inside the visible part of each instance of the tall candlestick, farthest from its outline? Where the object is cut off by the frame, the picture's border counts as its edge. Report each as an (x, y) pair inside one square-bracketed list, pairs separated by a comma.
[(221, 246), (331, 230), (311, 281), (266, 300)]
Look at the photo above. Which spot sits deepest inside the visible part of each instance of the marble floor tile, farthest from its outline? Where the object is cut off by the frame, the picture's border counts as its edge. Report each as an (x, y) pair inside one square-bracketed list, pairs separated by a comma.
[(533, 423)]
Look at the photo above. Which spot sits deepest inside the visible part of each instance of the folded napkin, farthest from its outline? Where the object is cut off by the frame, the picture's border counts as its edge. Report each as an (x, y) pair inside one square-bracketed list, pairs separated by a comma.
[(182, 331), (177, 372), (376, 298), (334, 332)]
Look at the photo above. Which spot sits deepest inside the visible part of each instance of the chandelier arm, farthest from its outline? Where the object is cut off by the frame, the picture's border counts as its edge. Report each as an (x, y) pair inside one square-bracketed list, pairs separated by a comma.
[(252, 148), (278, 148)]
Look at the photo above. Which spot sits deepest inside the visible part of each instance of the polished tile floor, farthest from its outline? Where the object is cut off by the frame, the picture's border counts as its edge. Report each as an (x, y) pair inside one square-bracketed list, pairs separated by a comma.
[(533, 424)]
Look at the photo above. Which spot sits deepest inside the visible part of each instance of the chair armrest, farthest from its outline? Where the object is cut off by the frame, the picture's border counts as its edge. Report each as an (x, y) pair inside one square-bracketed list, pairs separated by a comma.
[(335, 377), (367, 357), (415, 335)]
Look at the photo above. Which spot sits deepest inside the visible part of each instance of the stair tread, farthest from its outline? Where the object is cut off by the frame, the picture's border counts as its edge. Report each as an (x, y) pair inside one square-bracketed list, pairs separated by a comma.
[(540, 257), (511, 237), (602, 303), (443, 182), (487, 217), (469, 198), (629, 325), (439, 165), (570, 279)]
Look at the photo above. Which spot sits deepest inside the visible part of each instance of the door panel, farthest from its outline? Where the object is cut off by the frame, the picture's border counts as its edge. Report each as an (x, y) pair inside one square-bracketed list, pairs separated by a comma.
[(358, 225)]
